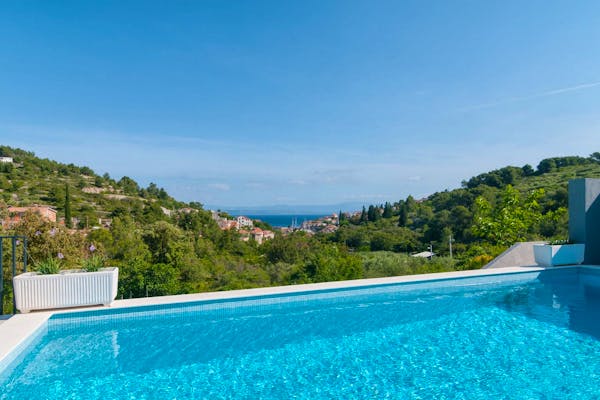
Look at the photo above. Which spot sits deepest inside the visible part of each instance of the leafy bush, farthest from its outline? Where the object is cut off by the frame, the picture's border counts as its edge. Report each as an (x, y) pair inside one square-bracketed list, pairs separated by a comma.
[(382, 263), (477, 261), (45, 240)]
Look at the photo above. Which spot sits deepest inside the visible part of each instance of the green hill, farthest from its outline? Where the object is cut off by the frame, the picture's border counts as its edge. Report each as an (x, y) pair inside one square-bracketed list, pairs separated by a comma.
[(185, 252), (413, 225), (551, 174), (32, 180)]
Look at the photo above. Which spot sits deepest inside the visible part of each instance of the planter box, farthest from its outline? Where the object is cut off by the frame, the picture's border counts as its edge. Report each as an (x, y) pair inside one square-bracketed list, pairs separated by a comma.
[(71, 288), (564, 254)]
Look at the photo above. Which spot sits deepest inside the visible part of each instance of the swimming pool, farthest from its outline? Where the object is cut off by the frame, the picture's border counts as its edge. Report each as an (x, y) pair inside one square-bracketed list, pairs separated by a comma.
[(526, 335)]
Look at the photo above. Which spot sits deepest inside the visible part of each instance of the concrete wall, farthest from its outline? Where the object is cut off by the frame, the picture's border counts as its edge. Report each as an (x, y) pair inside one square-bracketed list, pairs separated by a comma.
[(584, 216), (519, 254)]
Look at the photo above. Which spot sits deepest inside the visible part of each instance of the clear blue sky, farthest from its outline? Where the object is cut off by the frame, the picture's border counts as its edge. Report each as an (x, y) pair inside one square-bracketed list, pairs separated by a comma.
[(300, 102)]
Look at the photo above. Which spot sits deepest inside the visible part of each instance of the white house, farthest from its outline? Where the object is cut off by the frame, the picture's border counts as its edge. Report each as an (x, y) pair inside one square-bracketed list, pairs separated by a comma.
[(424, 254), (243, 222), (7, 160)]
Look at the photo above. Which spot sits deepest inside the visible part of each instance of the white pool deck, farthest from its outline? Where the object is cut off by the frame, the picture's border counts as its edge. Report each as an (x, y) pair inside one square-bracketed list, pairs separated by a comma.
[(16, 330)]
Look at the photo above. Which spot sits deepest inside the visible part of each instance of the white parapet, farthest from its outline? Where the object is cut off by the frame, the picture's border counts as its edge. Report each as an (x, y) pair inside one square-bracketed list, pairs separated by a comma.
[(72, 288)]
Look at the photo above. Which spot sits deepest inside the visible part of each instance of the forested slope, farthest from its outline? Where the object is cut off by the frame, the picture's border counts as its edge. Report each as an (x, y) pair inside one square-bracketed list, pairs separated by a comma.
[(163, 246)]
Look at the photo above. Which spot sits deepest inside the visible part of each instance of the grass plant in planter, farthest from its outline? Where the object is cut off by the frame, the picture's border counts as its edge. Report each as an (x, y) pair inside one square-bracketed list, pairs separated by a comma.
[(94, 262), (48, 266)]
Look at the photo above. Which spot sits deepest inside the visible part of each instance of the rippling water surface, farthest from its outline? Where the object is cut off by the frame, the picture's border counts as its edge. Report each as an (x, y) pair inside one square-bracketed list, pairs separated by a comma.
[(525, 336)]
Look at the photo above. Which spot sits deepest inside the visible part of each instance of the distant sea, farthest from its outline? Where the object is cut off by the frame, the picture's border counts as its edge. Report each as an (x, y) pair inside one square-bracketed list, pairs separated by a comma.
[(280, 221)]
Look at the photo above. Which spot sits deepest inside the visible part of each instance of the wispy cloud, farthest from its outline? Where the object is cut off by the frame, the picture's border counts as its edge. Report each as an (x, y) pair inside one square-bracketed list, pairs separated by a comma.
[(547, 93), (219, 186), (255, 185), (372, 197), (300, 182)]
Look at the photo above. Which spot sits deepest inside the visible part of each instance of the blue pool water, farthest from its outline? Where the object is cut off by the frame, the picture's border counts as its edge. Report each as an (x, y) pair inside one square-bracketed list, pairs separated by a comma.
[(521, 336)]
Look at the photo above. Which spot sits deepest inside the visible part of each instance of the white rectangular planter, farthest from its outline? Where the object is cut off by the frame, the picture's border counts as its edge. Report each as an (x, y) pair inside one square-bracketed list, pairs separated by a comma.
[(73, 288), (548, 255)]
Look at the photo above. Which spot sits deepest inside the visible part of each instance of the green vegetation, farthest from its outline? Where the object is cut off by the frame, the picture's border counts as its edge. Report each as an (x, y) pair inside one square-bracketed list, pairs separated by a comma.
[(384, 263), (48, 266), (481, 219), (68, 220), (163, 246), (512, 220), (79, 191), (94, 260)]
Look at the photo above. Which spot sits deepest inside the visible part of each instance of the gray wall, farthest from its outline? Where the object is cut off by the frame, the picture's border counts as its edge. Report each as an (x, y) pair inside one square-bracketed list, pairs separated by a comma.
[(584, 216)]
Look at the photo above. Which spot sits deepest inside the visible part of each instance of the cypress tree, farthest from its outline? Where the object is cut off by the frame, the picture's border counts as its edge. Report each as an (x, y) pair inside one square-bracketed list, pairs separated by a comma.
[(403, 217), (410, 203), (387, 210), (363, 215), (371, 213), (68, 221)]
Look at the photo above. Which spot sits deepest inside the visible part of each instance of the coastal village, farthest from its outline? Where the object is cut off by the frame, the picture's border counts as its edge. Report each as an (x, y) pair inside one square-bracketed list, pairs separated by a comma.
[(247, 230), (245, 226), (242, 224)]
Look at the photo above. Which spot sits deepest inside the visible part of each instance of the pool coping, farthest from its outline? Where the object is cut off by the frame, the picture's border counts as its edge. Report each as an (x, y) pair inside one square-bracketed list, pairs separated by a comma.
[(20, 329)]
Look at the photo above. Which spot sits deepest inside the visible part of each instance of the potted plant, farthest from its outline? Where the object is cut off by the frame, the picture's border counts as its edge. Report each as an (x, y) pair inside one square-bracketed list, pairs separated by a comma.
[(559, 252), (51, 287)]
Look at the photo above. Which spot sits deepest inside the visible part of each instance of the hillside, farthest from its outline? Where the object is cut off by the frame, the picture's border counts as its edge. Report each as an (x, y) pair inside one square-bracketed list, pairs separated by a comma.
[(185, 252), (410, 225), (551, 174), (32, 180)]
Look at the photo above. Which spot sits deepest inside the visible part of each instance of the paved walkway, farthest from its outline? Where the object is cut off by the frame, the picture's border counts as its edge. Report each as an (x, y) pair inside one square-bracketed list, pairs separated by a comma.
[(3, 318)]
